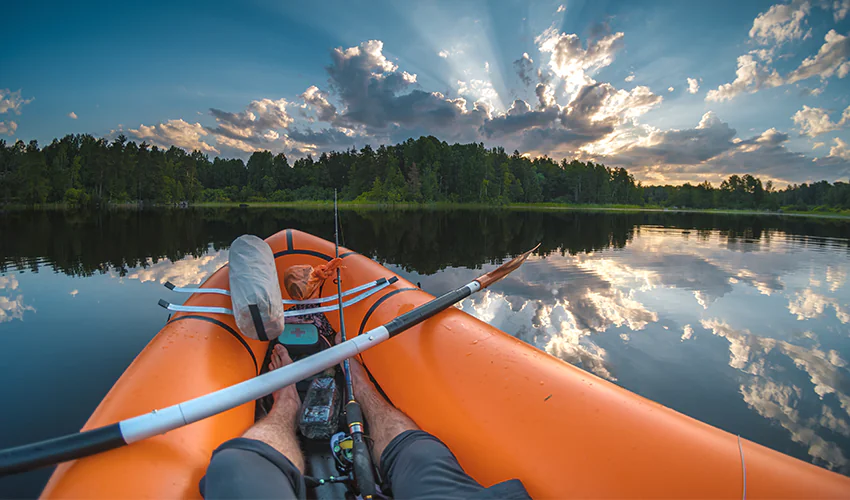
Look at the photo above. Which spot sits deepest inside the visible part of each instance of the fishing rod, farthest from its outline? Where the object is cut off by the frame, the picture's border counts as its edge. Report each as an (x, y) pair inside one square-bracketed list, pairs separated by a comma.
[(131, 430), (364, 477)]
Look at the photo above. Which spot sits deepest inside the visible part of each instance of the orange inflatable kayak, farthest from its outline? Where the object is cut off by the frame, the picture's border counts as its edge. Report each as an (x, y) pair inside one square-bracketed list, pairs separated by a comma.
[(506, 409)]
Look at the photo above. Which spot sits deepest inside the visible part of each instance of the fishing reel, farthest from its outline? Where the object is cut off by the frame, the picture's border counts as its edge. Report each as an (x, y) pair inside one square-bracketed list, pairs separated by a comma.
[(342, 449)]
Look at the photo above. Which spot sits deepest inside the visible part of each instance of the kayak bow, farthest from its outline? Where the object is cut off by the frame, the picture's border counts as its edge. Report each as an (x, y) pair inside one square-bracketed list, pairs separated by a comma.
[(83, 444)]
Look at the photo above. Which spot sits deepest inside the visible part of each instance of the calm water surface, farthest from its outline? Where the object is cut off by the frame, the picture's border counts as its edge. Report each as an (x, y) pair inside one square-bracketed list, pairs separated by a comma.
[(739, 321)]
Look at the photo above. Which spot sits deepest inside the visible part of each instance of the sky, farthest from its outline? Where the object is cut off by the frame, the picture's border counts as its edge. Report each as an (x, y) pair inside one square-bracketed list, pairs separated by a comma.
[(673, 91)]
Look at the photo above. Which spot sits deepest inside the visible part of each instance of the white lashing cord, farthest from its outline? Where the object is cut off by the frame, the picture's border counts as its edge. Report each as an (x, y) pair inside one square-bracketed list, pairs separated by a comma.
[(320, 300), (286, 314), (743, 468)]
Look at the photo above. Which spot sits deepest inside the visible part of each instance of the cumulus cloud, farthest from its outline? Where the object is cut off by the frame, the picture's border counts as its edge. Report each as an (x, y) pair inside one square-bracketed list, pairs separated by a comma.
[(832, 58), (313, 141), (751, 76), (841, 8), (258, 118), (12, 102), (545, 95), (561, 8), (776, 161), (769, 156), (593, 114), (630, 78), (72, 115), (8, 128), (806, 91), (693, 86), (670, 89), (519, 117), (443, 53), (377, 96), (708, 139), (713, 150), (573, 63), (177, 133), (478, 90), (840, 150), (816, 121), (781, 23), (524, 68), (318, 100)]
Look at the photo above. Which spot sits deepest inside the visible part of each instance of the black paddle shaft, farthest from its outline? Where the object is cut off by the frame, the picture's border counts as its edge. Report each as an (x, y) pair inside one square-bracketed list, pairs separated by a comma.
[(420, 314), (52, 451)]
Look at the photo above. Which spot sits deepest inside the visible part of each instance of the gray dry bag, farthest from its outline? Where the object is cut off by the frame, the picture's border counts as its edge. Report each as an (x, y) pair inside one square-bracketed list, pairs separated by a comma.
[(254, 289)]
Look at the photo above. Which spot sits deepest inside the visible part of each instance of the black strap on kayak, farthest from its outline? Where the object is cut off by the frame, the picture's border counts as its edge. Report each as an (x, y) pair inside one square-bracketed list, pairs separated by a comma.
[(258, 322)]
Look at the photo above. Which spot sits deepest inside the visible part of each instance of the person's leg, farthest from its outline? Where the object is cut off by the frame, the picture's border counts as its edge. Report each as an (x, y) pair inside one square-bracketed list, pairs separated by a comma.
[(266, 462), (278, 428), (415, 463), (385, 421)]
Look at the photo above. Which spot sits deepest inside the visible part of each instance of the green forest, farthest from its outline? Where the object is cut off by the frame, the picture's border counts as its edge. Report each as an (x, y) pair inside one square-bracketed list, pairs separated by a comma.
[(82, 170)]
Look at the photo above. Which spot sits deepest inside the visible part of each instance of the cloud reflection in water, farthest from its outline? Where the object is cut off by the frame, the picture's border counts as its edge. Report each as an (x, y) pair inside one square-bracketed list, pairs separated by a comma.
[(187, 271), (771, 299), (12, 305)]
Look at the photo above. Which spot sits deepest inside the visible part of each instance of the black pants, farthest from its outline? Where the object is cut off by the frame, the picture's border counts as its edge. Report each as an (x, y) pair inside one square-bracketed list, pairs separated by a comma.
[(417, 465)]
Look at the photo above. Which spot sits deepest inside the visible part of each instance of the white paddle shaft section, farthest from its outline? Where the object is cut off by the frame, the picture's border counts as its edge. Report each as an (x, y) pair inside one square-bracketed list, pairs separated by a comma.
[(161, 421)]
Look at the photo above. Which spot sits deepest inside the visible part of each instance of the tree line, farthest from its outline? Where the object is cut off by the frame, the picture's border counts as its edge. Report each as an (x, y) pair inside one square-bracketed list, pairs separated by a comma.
[(85, 170)]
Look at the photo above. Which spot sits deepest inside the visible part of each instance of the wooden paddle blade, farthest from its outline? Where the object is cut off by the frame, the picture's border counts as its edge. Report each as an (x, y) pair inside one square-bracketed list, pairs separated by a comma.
[(504, 270)]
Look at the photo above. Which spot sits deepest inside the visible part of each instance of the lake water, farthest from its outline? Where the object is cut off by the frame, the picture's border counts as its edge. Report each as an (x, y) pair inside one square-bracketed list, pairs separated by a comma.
[(739, 321)]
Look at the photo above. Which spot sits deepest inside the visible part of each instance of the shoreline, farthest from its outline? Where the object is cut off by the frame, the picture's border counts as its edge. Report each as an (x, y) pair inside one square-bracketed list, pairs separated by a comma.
[(448, 205)]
